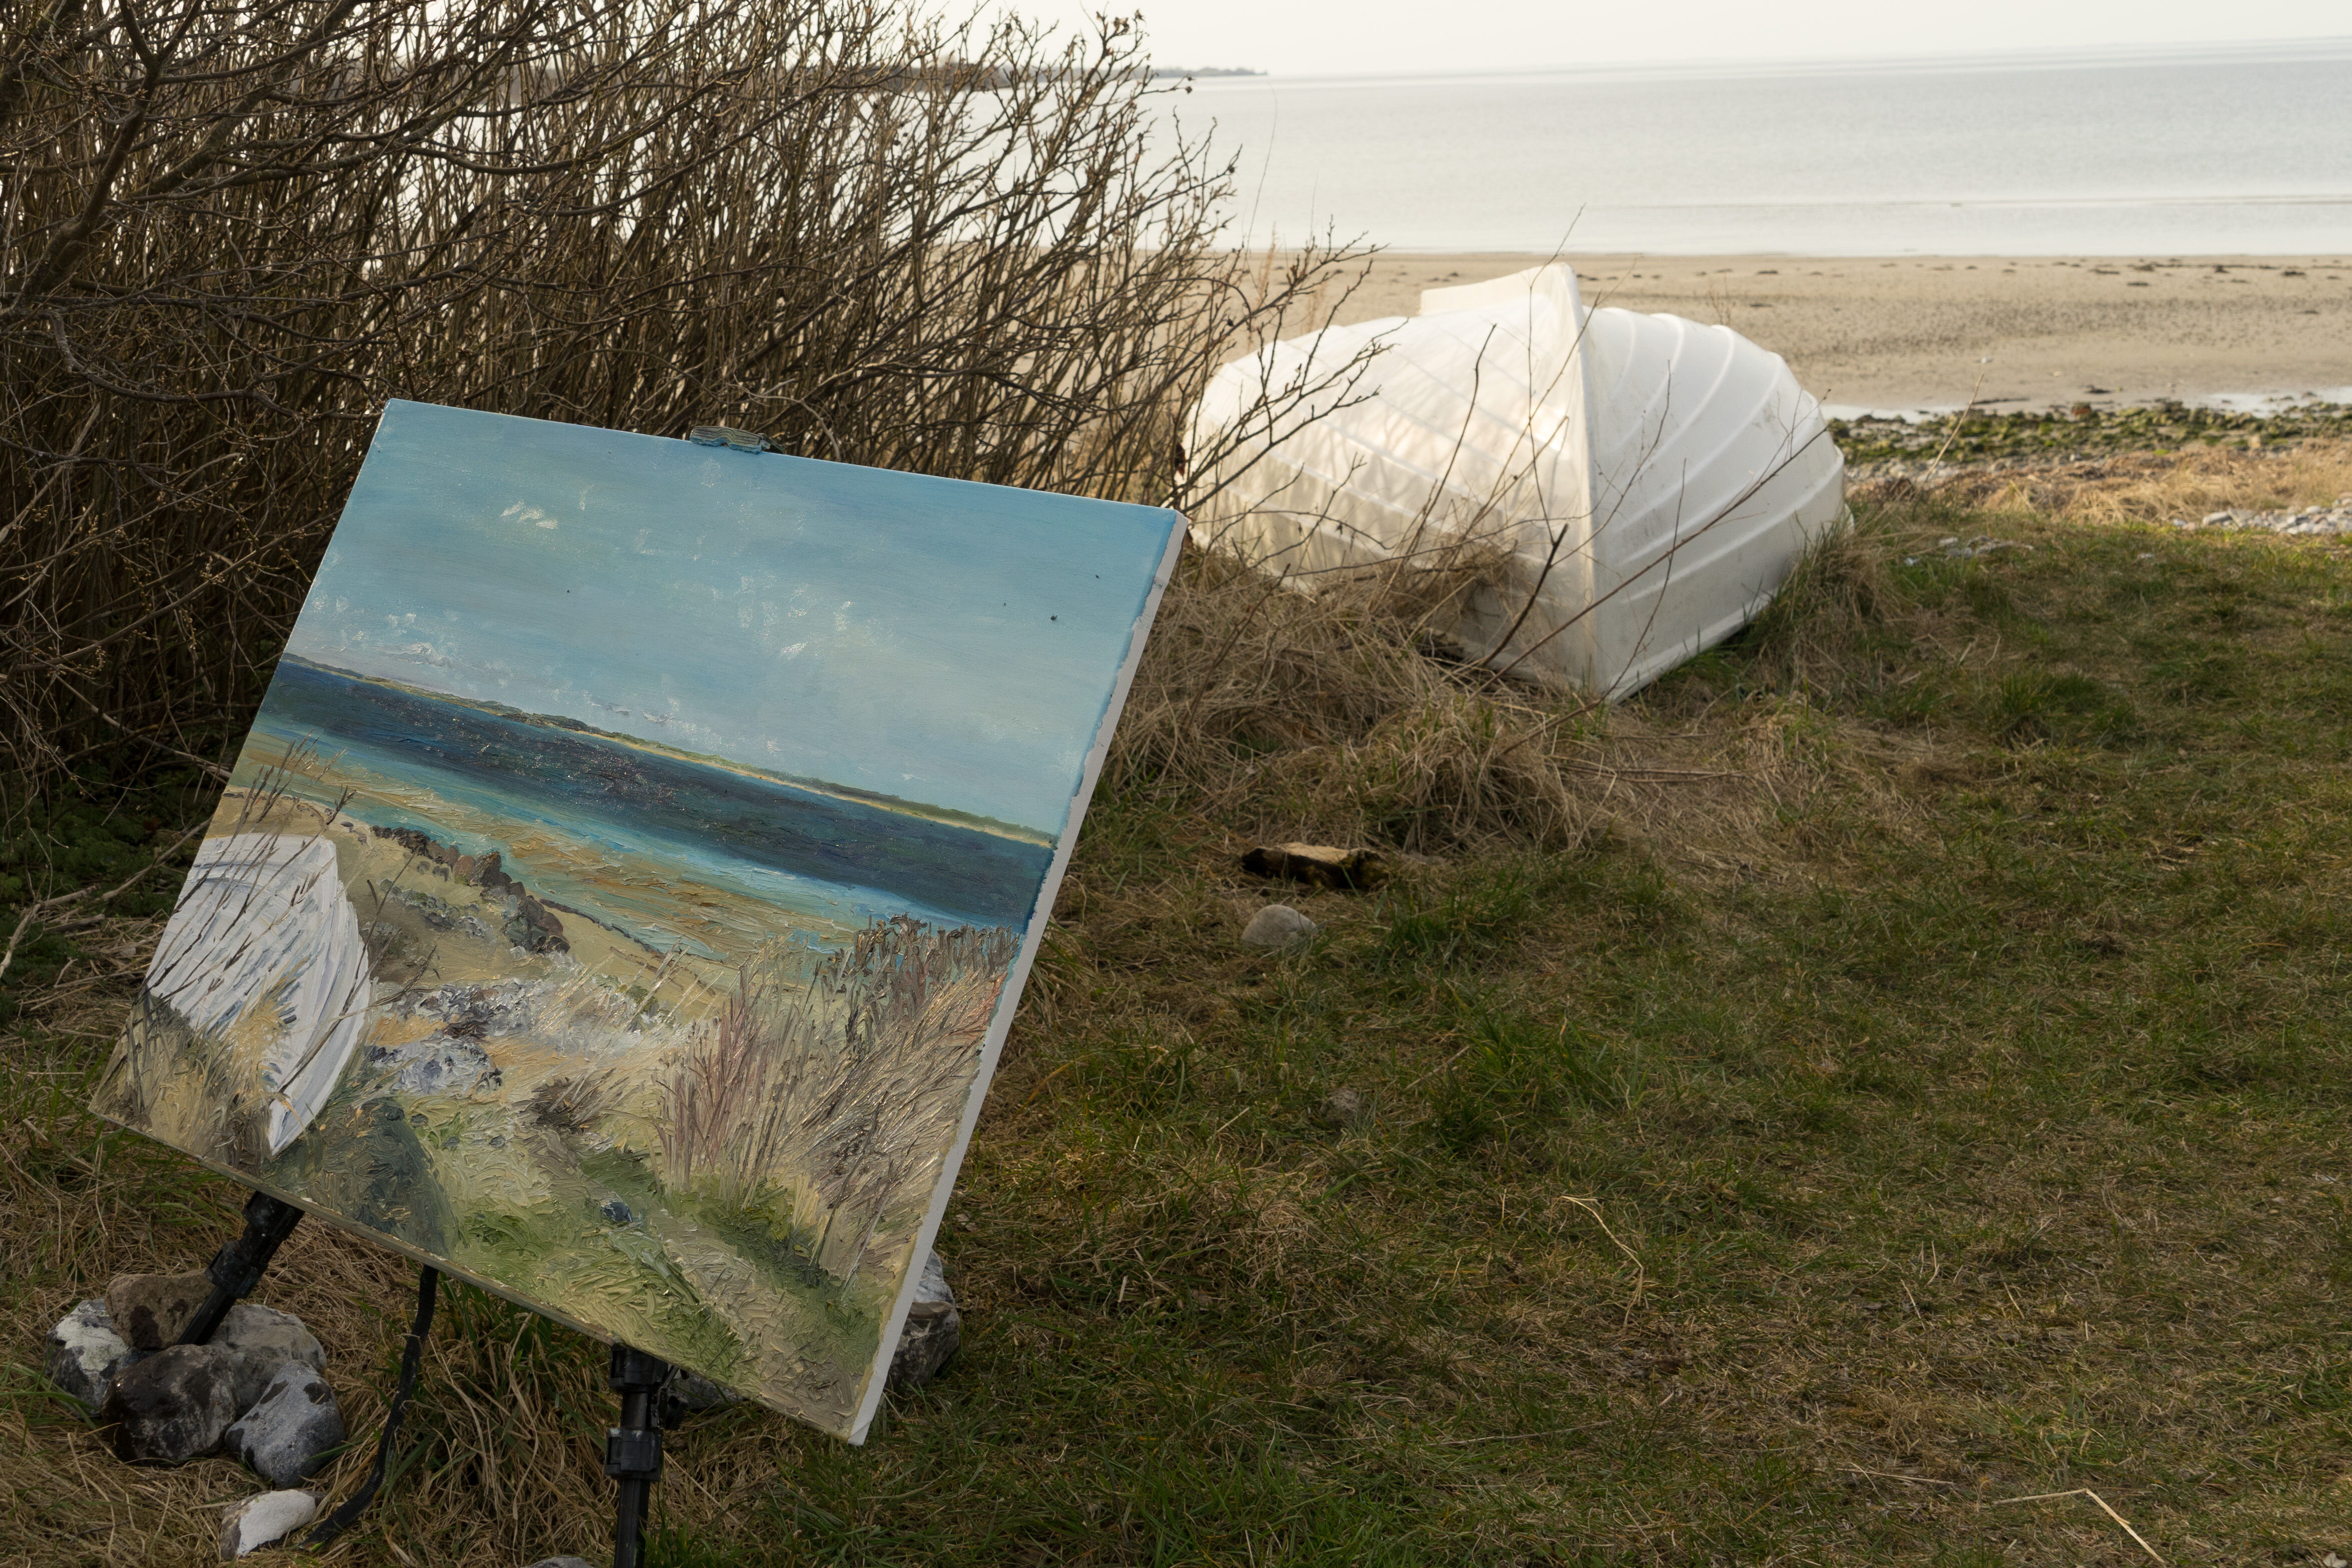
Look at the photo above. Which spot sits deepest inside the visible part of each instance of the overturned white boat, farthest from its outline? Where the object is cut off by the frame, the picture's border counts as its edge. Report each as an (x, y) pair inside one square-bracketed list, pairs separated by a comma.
[(264, 947), (1647, 481)]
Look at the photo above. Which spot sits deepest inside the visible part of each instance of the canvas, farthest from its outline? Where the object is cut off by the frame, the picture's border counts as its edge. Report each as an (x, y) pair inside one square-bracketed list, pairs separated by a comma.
[(623, 895)]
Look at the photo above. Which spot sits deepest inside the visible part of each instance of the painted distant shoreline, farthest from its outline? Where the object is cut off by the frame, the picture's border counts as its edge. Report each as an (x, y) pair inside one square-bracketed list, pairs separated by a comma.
[(946, 816)]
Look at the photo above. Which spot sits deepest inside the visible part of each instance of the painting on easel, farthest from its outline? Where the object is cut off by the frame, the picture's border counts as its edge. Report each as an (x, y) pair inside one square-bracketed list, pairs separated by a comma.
[(623, 895)]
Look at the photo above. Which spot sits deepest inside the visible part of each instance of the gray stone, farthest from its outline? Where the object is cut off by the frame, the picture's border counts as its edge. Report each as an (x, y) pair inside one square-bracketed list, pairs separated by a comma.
[(1340, 1108), (696, 1393), (85, 1353), (171, 1406), (934, 1330), (250, 1326), (1277, 925), (251, 1372), (152, 1311), (442, 1064), (258, 1522), (284, 1438)]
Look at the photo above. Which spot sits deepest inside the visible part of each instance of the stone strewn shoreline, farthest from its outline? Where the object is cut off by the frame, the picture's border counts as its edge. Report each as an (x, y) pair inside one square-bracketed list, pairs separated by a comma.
[(1985, 441), (2337, 519), (529, 924)]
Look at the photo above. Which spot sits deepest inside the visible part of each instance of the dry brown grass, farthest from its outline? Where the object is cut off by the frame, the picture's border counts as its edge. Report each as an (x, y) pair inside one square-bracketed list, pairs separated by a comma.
[(2154, 488), (1346, 716)]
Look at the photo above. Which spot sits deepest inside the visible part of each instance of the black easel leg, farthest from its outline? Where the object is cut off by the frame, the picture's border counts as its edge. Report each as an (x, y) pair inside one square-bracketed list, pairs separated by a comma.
[(632, 1449), (237, 1267)]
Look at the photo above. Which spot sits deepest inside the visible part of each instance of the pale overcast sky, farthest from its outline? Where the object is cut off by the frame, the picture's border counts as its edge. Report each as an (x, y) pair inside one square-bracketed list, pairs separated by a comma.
[(1302, 37), (869, 628)]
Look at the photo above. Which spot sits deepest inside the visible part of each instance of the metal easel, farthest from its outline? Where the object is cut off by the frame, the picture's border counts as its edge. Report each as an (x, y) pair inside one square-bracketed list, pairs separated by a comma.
[(633, 1451)]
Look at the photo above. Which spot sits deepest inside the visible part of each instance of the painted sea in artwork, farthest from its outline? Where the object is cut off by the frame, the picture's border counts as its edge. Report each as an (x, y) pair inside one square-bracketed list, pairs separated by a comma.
[(625, 889)]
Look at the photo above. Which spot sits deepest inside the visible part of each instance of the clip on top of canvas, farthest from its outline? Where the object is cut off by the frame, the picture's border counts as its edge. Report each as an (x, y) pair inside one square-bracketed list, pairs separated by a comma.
[(728, 435)]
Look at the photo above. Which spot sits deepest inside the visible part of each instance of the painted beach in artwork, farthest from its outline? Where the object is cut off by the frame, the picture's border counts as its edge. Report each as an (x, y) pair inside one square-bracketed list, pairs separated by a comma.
[(626, 881)]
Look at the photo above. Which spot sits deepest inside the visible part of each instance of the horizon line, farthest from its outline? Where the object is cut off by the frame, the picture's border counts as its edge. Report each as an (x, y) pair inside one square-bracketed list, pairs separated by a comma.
[(2053, 55)]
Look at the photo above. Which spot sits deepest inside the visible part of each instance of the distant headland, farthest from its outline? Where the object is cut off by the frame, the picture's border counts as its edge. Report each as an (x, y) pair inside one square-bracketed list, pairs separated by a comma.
[(945, 816)]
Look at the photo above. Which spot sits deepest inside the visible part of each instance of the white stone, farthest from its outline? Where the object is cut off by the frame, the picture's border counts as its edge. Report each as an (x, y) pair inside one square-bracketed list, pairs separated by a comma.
[(933, 1285), (285, 1436), (258, 1522), (1277, 925), (85, 1353)]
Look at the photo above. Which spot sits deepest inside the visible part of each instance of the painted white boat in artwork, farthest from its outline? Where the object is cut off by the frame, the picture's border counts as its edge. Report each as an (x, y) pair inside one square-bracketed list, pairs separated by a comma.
[(1649, 482), (265, 944)]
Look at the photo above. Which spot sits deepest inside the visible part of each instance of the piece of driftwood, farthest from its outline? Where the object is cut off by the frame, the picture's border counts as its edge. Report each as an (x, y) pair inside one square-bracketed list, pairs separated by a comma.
[(1317, 865)]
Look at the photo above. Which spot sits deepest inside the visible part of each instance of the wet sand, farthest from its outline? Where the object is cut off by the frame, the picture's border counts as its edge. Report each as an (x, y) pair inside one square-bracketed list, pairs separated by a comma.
[(1909, 334)]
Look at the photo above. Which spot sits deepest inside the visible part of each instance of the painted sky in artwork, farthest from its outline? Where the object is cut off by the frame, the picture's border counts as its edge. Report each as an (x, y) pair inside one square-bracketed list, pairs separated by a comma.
[(929, 639)]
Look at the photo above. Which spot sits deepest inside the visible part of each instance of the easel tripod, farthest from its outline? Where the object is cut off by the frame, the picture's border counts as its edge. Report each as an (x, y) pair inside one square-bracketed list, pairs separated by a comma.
[(633, 1451)]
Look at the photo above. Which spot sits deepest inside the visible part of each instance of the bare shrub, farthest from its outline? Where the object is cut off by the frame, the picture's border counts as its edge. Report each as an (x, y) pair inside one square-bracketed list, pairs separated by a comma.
[(230, 234), (831, 1101)]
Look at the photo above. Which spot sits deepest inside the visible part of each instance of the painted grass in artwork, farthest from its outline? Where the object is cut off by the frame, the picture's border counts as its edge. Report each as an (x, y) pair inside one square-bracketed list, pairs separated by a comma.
[(828, 1102)]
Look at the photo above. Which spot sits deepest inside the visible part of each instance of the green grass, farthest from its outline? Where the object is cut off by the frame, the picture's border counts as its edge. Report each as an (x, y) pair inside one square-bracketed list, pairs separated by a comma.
[(1973, 1128)]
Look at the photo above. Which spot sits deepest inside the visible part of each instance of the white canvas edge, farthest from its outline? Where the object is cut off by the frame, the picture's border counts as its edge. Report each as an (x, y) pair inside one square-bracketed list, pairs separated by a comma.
[(1009, 1000)]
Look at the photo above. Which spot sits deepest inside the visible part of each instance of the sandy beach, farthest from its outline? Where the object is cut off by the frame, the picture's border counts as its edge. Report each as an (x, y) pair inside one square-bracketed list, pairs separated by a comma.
[(1878, 334)]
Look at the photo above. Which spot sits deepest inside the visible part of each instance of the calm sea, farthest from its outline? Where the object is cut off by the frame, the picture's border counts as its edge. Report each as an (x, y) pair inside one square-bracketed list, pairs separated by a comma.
[(2243, 149), (500, 784)]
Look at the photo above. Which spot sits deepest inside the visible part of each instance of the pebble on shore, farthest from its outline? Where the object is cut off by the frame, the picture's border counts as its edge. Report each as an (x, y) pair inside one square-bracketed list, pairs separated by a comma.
[(2337, 519)]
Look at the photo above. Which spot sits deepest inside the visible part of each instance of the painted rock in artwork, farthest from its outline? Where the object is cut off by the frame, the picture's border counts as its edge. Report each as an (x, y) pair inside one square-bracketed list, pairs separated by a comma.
[(443, 1064)]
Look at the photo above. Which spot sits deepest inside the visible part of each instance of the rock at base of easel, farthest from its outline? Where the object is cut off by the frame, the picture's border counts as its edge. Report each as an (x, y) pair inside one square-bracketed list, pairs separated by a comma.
[(85, 1354), (934, 1330), (171, 1406), (259, 1521), (152, 1311), (285, 1437)]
